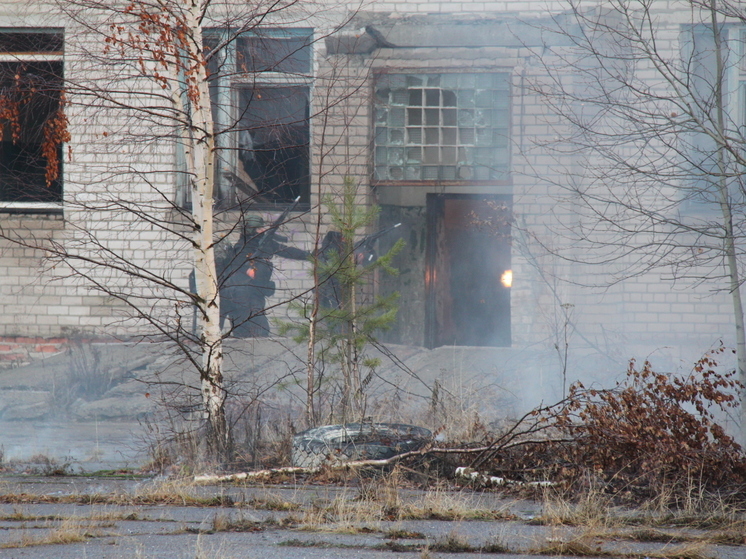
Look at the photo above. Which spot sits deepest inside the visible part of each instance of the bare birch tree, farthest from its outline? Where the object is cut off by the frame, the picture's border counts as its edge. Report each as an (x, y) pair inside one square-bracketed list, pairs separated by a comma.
[(167, 145), (650, 121)]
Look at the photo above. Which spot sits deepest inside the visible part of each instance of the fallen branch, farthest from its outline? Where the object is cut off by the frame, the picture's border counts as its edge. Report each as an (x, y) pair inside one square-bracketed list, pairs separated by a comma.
[(349, 465)]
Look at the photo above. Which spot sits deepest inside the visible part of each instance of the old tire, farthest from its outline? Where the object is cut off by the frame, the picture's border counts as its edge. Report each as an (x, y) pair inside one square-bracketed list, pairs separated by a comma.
[(334, 444)]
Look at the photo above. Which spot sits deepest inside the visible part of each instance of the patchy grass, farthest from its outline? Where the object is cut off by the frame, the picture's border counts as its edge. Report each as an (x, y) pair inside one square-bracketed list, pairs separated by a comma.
[(452, 543), (398, 547), (686, 551), (21, 516), (733, 536), (584, 546), (316, 543), (576, 548), (398, 534), (70, 530), (273, 504)]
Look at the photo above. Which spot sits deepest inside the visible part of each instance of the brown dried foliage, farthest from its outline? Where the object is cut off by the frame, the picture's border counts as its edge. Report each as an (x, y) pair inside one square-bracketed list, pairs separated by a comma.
[(55, 129), (652, 430), (655, 426), (55, 133), (161, 42)]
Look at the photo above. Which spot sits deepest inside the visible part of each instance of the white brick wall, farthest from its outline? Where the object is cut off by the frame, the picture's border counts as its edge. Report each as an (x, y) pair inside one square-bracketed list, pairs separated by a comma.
[(646, 312)]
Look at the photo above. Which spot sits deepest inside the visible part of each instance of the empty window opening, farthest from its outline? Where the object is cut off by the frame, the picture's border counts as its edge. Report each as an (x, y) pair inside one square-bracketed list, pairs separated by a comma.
[(32, 122), (260, 91)]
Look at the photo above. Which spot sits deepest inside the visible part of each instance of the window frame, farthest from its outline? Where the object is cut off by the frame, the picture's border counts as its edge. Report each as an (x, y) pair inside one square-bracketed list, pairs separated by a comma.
[(55, 207), (505, 180), (733, 37), (228, 93)]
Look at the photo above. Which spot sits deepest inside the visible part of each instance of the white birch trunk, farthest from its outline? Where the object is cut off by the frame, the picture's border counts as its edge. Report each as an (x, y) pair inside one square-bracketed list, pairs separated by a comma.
[(200, 159), (734, 278)]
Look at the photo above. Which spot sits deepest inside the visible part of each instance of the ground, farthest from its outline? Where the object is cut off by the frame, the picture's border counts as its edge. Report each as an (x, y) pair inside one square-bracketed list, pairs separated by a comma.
[(130, 517), (72, 482), (95, 405)]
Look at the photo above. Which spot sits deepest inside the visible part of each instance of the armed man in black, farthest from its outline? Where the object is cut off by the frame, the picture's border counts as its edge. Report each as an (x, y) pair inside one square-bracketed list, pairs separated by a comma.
[(331, 255), (245, 272)]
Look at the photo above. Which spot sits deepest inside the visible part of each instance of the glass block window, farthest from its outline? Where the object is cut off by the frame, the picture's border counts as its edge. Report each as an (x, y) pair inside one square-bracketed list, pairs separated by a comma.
[(441, 127)]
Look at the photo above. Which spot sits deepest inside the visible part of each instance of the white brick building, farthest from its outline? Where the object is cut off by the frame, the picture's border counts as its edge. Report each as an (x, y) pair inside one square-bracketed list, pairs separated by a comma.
[(432, 107)]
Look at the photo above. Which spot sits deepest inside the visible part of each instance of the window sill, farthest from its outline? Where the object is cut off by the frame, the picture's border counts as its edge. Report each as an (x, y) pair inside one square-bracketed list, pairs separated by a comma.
[(31, 207)]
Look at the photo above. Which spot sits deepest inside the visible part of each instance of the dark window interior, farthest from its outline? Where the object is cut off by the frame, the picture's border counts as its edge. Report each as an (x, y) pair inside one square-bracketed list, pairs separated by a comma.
[(273, 142), (288, 55), (28, 42), (262, 103), (29, 97)]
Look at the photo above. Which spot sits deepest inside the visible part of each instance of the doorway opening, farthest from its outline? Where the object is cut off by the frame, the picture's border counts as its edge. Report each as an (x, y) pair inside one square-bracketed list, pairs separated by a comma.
[(468, 271)]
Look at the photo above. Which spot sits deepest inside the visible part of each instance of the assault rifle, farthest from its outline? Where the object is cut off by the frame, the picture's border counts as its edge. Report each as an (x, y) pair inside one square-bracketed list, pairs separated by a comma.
[(271, 231), (364, 247)]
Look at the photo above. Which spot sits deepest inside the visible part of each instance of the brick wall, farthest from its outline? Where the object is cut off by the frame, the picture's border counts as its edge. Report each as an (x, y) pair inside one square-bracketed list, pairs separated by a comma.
[(16, 351), (37, 300)]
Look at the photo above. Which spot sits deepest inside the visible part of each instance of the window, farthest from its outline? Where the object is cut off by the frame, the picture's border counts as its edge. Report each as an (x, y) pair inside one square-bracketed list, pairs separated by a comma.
[(442, 127), (260, 88), (32, 124), (699, 192)]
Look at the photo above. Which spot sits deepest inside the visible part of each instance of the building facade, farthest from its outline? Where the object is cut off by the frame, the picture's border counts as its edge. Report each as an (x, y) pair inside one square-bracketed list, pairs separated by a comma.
[(438, 111)]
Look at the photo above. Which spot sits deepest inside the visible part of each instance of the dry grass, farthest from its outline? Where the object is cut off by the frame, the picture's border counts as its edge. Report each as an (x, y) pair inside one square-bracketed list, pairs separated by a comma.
[(452, 543), (399, 534), (176, 492), (733, 536), (222, 522), (685, 551), (593, 509), (70, 530), (101, 516), (580, 547), (586, 546), (344, 514), (272, 502), (350, 513), (442, 504), (168, 492)]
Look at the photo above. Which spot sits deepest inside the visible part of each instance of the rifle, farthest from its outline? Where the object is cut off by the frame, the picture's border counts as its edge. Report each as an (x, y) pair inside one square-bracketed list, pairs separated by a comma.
[(365, 245), (271, 231)]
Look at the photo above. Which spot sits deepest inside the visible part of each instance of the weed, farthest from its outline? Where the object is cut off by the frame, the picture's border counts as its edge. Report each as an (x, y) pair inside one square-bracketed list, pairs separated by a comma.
[(576, 548), (43, 465), (494, 546), (70, 530), (399, 534), (273, 503), (452, 543), (592, 508)]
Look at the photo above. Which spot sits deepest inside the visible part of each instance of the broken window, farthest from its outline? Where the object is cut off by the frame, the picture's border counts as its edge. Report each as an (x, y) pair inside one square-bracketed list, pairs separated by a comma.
[(699, 187), (32, 124), (260, 88), (442, 127)]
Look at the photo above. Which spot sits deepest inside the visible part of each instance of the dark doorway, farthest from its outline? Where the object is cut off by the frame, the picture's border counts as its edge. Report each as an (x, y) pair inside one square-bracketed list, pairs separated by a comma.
[(467, 271)]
